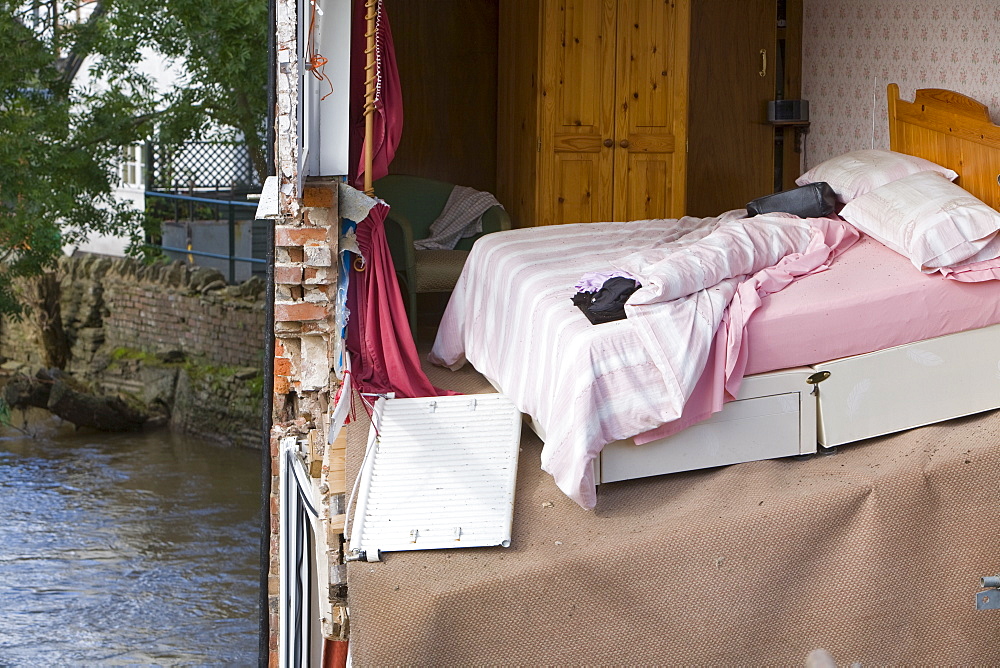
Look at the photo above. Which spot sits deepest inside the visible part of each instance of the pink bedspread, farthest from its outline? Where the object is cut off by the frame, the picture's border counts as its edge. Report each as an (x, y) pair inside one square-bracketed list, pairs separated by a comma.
[(588, 385)]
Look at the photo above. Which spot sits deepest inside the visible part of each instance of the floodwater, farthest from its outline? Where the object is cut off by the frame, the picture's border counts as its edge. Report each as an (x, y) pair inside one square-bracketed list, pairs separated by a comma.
[(126, 549)]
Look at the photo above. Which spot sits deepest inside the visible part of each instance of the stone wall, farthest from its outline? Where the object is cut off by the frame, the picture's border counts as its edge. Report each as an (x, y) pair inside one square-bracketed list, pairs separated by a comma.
[(109, 303), (173, 337), (217, 403)]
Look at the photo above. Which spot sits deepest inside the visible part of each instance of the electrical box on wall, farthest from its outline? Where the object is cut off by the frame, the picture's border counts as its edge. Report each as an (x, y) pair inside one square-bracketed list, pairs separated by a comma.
[(788, 111)]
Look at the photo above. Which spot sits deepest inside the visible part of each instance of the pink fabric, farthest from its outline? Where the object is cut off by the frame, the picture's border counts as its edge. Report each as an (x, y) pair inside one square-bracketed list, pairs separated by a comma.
[(383, 355), (720, 382), (974, 272), (708, 396), (870, 299), (593, 281), (388, 116), (822, 250)]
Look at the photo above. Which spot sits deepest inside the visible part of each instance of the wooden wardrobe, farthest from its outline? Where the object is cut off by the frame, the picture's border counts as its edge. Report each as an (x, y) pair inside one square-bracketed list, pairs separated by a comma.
[(630, 109)]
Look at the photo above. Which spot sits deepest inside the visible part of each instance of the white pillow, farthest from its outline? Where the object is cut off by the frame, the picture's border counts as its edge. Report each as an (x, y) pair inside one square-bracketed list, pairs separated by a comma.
[(928, 219), (855, 173)]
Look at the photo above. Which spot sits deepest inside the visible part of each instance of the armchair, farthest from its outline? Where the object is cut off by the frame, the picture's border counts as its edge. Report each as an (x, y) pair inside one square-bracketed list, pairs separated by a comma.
[(415, 203)]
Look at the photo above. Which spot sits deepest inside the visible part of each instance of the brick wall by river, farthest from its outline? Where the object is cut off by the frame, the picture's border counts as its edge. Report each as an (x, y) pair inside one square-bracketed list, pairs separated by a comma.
[(167, 334)]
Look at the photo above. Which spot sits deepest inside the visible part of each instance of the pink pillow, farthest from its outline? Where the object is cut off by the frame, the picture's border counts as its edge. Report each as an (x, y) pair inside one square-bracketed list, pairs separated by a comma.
[(928, 219), (858, 172)]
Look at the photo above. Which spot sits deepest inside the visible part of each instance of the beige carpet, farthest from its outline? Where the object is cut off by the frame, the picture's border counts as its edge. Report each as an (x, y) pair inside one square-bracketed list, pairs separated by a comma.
[(873, 553)]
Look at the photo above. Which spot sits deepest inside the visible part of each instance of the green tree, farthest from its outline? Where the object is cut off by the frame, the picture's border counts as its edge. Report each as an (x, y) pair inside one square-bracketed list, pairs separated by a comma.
[(73, 96)]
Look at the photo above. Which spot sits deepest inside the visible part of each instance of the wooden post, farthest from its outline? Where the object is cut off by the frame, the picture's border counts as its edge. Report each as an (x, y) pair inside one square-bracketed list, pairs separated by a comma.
[(370, 74)]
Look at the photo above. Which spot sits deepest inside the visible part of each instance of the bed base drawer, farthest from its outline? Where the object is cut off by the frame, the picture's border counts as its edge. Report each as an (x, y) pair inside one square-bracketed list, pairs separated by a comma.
[(775, 416), (909, 386)]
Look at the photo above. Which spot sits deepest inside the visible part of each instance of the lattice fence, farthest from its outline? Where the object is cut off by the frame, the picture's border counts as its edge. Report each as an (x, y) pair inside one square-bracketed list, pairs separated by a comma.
[(201, 166)]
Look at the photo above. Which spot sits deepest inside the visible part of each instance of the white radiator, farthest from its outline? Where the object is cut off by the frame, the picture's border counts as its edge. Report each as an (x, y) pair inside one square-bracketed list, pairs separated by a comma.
[(439, 472)]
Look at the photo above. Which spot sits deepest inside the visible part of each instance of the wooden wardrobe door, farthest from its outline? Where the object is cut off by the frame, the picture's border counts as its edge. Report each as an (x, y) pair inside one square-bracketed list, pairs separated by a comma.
[(651, 109), (732, 76), (577, 98)]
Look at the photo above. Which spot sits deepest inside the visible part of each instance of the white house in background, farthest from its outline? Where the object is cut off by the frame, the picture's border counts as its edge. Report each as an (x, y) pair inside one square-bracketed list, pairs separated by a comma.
[(132, 171), (132, 189)]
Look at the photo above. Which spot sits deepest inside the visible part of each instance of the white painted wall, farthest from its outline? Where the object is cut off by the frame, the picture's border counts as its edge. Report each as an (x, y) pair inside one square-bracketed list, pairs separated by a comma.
[(325, 122), (131, 188)]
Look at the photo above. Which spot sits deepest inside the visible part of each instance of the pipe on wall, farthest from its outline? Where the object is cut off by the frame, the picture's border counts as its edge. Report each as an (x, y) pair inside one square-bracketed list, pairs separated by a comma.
[(267, 400)]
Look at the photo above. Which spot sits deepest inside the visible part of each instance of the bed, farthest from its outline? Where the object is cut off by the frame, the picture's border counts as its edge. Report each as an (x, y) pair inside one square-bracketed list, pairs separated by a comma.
[(856, 345)]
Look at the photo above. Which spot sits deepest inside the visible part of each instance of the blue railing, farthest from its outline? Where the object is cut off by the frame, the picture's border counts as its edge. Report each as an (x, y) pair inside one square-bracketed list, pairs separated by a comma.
[(231, 207)]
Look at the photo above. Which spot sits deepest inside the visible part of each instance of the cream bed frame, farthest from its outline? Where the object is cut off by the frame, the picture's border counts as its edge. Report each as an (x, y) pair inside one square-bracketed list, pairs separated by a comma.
[(789, 412)]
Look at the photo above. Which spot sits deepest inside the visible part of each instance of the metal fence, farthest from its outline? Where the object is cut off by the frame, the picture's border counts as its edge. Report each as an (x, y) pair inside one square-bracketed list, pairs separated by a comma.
[(198, 192), (205, 224)]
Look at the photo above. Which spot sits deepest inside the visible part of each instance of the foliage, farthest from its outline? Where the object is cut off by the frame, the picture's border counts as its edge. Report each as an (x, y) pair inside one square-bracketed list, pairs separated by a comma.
[(122, 353), (73, 95)]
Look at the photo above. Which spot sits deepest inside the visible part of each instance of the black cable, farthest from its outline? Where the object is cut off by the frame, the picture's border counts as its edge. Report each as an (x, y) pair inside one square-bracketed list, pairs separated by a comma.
[(307, 503), (267, 401), (298, 623), (272, 88), (294, 635)]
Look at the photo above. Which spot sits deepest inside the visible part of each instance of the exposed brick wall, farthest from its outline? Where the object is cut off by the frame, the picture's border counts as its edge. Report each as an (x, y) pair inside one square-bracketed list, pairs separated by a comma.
[(109, 303), (306, 240), (305, 288)]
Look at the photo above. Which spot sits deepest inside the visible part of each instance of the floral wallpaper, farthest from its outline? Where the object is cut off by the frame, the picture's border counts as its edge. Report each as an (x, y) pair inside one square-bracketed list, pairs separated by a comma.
[(853, 48)]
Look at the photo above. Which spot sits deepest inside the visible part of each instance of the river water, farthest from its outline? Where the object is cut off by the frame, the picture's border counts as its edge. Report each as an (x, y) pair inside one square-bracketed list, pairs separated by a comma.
[(126, 549)]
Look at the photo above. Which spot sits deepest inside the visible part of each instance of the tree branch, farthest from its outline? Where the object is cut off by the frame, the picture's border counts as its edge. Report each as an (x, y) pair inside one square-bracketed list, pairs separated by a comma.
[(111, 132), (74, 61)]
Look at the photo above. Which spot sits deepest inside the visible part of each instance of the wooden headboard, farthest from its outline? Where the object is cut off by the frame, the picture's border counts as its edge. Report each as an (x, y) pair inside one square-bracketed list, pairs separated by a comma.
[(952, 130)]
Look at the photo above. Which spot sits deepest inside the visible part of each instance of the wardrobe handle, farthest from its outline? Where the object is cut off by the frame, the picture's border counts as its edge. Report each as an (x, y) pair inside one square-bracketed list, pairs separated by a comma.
[(623, 143), (608, 143), (763, 63)]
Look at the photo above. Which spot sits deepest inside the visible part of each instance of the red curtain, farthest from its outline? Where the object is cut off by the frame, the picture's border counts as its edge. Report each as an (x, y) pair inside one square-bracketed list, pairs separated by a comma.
[(388, 115), (383, 355)]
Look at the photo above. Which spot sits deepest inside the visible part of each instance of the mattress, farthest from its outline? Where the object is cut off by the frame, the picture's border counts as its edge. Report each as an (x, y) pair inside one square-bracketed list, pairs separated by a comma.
[(870, 299)]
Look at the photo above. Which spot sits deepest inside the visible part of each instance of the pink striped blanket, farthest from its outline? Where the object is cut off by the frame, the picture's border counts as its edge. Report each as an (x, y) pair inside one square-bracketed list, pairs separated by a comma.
[(586, 385)]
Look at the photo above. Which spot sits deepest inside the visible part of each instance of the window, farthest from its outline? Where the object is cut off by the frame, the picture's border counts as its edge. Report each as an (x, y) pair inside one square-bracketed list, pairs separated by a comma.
[(133, 166)]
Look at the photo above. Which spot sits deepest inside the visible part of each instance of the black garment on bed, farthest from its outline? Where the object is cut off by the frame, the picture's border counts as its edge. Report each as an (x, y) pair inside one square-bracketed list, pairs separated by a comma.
[(608, 303)]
